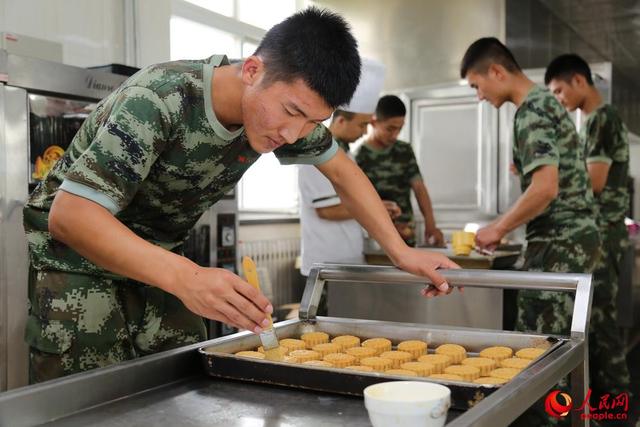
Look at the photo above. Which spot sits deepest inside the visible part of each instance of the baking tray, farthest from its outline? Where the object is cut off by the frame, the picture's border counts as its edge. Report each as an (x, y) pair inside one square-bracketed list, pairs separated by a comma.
[(220, 361), (564, 355), (501, 259)]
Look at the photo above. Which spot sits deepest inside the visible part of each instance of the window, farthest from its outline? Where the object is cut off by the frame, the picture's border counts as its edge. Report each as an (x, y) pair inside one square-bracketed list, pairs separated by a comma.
[(188, 40), (223, 7), (200, 28), (265, 14), (269, 187)]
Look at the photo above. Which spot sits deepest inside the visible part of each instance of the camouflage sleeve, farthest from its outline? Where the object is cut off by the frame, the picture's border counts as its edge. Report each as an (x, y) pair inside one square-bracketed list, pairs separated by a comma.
[(620, 147), (598, 139), (126, 144), (314, 149), (536, 139), (412, 169)]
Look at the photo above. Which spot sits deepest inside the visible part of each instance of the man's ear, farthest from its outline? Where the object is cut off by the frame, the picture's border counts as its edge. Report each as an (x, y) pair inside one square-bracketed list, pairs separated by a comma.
[(252, 70), (341, 120), (497, 71), (578, 80)]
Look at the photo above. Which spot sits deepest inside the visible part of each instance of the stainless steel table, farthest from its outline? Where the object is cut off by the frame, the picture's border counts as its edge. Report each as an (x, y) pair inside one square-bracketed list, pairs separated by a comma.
[(171, 388), (200, 402)]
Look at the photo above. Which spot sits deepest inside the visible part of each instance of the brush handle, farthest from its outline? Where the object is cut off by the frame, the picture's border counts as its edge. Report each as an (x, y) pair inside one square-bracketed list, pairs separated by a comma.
[(251, 274)]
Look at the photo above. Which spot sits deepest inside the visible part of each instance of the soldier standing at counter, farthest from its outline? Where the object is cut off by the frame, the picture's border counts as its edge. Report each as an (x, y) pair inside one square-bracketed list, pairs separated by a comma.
[(604, 136), (105, 228), (557, 203), (391, 166)]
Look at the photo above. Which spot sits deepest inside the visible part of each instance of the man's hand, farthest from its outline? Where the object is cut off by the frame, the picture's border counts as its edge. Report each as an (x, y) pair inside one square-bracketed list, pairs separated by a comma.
[(393, 208), (214, 293), (434, 237), (424, 263), (218, 294), (405, 230), (489, 237)]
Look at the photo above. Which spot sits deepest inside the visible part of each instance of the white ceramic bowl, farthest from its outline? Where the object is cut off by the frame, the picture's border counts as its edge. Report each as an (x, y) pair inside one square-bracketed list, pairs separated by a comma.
[(407, 403)]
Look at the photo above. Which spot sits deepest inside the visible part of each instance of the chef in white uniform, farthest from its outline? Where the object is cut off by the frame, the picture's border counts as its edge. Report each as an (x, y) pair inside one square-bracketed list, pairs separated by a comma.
[(329, 232)]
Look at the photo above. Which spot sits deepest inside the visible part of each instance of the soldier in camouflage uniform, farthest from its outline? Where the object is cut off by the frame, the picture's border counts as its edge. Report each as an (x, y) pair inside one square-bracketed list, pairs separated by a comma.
[(557, 203), (607, 152), (392, 168), (105, 228)]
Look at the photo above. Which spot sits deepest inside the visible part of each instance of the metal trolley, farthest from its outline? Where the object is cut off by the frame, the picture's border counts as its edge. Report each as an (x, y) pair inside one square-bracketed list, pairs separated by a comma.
[(177, 382), (564, 354)]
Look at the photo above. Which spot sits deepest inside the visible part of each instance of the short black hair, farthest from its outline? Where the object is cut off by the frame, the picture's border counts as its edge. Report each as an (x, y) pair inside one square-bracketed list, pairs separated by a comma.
[(348, 115), (317, 46), (564, 67), (390, 106), (484, 52)]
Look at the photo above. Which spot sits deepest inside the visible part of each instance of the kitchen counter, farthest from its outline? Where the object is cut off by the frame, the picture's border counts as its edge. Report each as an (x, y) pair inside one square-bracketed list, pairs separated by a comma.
[(172, 389), (202, 401)]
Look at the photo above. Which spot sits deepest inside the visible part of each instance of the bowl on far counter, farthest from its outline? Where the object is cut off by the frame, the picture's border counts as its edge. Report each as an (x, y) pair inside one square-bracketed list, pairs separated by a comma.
[(407, 403)]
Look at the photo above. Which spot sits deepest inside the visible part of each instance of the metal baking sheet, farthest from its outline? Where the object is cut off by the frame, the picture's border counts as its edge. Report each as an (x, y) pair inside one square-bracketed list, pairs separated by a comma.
[(219, 359), (498, 260)]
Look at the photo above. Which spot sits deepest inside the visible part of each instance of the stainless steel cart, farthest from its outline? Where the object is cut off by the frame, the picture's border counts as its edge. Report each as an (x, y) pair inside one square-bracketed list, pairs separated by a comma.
[(174, 383)]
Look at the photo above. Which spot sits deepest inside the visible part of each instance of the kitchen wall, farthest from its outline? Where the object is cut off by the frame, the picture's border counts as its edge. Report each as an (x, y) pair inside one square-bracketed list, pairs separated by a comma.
[(598, 30), (537, 34), (92, 32), (420, 41)]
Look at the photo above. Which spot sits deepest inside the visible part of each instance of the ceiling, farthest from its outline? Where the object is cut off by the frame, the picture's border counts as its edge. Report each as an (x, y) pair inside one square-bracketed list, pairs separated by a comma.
[(611, 28)]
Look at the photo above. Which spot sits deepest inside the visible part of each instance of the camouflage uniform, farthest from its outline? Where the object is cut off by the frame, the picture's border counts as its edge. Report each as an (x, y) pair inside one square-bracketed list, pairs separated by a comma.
[(605, 138), (564, 238), (392, 171), (154, 154)]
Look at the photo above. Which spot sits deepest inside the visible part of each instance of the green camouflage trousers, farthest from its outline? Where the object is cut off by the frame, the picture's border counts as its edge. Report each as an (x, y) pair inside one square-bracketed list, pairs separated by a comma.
[(608, 369), (79, 322), (551, 312)]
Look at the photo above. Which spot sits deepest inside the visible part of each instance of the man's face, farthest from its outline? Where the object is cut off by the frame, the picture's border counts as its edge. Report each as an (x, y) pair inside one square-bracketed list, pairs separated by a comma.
[(567, 93), (349, 130), (386, 131), (488, 86), (278, 113)]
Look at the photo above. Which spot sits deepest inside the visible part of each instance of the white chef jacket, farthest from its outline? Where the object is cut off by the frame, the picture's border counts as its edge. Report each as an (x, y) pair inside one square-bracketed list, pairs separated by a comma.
[(324, 240)]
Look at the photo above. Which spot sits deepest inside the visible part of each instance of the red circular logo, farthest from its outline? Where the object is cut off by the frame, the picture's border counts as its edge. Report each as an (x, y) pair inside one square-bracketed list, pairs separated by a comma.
[(558, 404)]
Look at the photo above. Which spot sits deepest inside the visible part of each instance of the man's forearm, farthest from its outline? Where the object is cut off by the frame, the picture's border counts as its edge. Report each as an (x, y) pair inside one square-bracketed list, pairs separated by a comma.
[(96, 234), (334, 213), (528, 206)]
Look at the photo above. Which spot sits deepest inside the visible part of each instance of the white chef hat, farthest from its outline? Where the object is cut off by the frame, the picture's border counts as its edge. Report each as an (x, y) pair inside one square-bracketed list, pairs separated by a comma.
[(368, 91)]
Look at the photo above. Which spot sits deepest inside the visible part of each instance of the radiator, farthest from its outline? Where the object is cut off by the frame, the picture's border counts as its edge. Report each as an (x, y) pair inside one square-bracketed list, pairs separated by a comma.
[(275, 261)]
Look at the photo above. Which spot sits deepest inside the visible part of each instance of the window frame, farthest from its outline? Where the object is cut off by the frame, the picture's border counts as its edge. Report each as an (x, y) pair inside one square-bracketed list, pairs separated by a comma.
[(246, 33)]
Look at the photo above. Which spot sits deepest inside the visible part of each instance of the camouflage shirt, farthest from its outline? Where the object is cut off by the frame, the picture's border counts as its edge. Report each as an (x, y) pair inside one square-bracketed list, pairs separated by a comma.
[(545, 135), (154, 154), (605, 138), (391, 171)]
